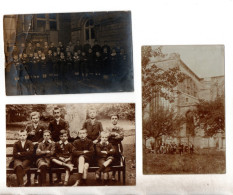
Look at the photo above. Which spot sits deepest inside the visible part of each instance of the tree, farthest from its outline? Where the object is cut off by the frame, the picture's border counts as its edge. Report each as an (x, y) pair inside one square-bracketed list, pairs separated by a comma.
[(210, 115), (162, 122), (155, 80)]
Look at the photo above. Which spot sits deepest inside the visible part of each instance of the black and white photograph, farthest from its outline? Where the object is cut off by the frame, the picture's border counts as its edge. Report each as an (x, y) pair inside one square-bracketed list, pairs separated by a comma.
[(183, 106), (68, 53), (70, 145)]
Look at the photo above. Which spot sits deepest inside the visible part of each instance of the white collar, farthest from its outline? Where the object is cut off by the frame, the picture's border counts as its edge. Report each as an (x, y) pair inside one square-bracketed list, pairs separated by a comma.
[(58, 119), (66, 142), (48, 141)]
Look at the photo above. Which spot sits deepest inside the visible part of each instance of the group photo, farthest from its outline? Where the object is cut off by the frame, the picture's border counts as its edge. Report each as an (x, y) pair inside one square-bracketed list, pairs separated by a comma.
[(183, 109), (68, 53), (70, 144)]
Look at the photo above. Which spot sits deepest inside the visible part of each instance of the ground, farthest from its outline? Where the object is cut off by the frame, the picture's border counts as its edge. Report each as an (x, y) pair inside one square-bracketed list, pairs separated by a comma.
[(206, 161), (129, 154)]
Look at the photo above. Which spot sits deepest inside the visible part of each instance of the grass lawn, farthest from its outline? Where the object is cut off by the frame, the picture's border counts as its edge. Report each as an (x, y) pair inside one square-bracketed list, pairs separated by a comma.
[(207, 161)]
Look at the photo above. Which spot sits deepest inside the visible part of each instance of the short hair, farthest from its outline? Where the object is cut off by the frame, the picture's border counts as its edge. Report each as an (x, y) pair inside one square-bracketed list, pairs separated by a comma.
[(91, 109), (34, 114), (22, 131), (56, 108), (62, 132), (47, 131), (114, 114), (104, 133), (83, 130)]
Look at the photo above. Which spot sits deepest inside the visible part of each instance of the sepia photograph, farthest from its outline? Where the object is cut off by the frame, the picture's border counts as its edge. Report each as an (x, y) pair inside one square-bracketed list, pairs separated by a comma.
[(68, 53), (183, 106), (70, 145)]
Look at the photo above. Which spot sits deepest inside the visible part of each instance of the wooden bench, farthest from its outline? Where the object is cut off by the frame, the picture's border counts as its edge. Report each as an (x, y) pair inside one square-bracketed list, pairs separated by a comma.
[(119, 168)]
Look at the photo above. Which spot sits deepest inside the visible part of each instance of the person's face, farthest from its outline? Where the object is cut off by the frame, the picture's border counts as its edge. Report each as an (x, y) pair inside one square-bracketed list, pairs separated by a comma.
[(39, 52), (24, 55), (58, 49), (55, 53), (92, 114), (50, 52), (46, 136), (82, 134), (15, 57), (105, 50), (45, 44), (22, 45), (52, 44), (104, 138), (35, 119), (60, 43), (63, 137), (31, 54), (79, 52), (78, 42), (75, 54), (114, 120), (29, 44), (38, 44), (35, 54), (57, 113), (43, 55), (23, 136), (90, 50)]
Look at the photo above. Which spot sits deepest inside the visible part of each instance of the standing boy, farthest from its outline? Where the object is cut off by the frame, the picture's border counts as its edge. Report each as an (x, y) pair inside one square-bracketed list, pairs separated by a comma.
[(82, 154), (93, 126)]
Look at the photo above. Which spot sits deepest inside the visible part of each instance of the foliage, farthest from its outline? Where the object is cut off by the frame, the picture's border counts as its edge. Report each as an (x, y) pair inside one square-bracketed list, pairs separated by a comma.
[(162, 122), (157, 81), (210, 115)]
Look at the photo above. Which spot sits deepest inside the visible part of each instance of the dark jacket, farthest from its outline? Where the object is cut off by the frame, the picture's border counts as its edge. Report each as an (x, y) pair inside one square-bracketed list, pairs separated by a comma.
[(93, 131), (56, 128), (38, 137), (104, 147), (63, 149), (81, 145)]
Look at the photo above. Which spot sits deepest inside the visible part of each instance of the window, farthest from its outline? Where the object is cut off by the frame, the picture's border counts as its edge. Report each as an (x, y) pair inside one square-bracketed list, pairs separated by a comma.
[(89, 30), (43, 19), (41, 25), (40, 15)]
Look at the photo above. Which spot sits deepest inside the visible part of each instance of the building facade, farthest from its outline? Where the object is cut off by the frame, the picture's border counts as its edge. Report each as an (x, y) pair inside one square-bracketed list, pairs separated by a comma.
[(188, 93)]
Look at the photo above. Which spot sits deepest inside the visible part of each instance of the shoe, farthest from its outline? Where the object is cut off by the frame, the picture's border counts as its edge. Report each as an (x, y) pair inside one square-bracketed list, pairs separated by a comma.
[(113, 179), (97, 175), (36, 181), (57, 181), (77, 183), (27, 183), (65, 183)]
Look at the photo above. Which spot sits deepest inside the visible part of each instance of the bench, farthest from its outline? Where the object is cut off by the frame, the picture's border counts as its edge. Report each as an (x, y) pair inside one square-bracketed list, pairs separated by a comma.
[(119, 168)]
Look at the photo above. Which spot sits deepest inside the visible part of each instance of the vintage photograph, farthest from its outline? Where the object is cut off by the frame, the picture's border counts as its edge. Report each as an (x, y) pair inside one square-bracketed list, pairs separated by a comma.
[(68, 53), (70, 144), (183, 106)]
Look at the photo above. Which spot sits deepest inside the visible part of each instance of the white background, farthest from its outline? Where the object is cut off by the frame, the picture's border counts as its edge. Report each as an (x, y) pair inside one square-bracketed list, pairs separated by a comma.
[(157, 22)]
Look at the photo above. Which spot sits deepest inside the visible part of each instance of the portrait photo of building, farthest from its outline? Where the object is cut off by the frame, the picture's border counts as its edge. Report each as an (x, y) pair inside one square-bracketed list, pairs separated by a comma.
[(65, 53), (183, 91)]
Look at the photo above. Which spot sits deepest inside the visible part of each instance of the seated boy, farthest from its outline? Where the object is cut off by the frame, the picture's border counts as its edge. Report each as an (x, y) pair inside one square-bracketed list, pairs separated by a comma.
[(105, 152), (63, 154), (82, 153), (44, 152), (116, 135), (22, 156)]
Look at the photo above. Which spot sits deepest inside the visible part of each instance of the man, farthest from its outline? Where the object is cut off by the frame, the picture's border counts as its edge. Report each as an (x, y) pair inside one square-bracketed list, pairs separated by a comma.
[(57, 124)]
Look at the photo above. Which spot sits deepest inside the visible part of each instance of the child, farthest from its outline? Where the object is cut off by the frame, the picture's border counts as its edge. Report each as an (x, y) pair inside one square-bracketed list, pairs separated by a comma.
[(22, 153), (82, 153), (63, 153), (44, 151), (105, 156), (116, 135), (93, 126)]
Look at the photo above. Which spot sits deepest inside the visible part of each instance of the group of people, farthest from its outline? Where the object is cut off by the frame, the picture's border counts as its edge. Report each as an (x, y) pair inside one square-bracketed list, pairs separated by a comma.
[(42, 65), (56, 146), (173, 148), (161, 147)]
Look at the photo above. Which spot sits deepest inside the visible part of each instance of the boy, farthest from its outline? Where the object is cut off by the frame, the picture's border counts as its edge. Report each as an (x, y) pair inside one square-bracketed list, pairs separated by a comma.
[(105, 156), (44, 151), (63, 153), (82, 153), (93, 126), (116, 135), (35, 128), (22, 154)]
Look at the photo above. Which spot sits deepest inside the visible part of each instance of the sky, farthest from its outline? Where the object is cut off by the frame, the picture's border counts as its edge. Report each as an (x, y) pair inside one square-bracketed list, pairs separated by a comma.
[(204, 60)]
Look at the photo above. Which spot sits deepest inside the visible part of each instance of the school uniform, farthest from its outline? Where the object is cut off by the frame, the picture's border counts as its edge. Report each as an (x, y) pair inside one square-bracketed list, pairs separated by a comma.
[(69, 67), (76, 60), (55, 126), (43, 161), (62, 66), (96, 48), (55, 67), (114, 63), (29, 50), (107, 48), (45, 50), (22, 159), (84, 65), (63, 150), (26, 79), (77, 47), (39, 129), (49, 64), (53, 49), (86, 47), (90, 62), (98, 65), (93, 127), (79, 146), (116, 140), (106, 63), (102, 157)]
